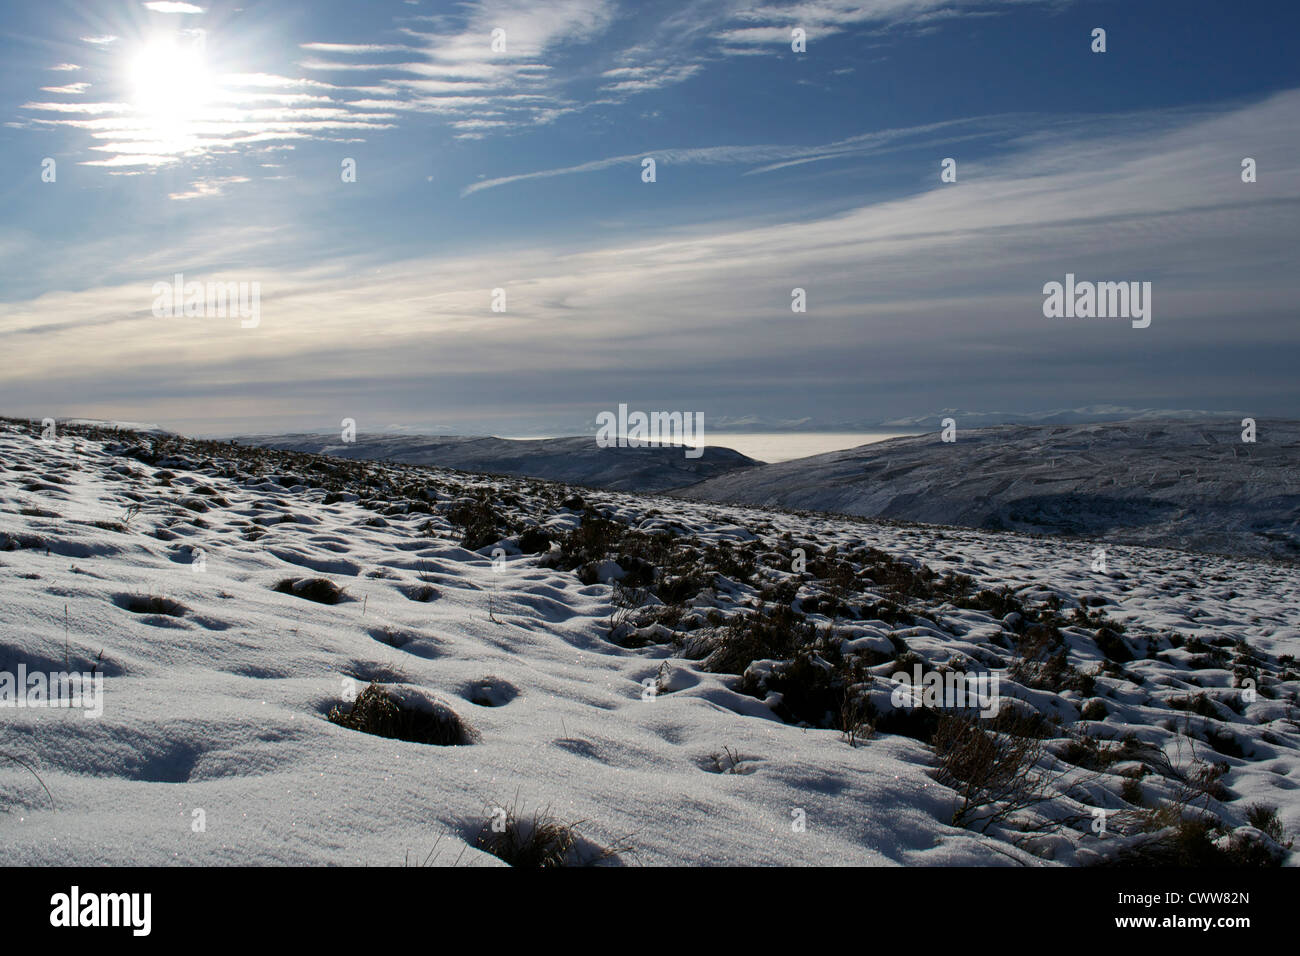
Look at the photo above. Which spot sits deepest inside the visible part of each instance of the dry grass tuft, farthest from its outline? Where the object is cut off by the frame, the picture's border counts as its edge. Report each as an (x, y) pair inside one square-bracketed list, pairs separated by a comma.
[(375, 712)]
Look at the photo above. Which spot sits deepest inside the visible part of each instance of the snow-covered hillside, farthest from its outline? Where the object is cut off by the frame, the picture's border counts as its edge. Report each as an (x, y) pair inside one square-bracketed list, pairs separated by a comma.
[(577, 460), (686, 683), (1059, 416), (1192, 485)]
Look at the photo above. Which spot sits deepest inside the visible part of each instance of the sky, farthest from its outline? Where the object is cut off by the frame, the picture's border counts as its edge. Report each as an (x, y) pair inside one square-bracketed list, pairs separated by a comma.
[(379, 169)]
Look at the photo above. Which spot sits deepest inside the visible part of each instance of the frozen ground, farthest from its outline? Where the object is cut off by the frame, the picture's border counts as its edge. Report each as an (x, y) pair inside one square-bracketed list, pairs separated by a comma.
[(593, 671), (1180, 484), (578, 460)]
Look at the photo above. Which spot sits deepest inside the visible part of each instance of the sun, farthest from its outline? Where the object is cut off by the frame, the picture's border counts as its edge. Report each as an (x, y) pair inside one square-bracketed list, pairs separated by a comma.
[(170, 80)]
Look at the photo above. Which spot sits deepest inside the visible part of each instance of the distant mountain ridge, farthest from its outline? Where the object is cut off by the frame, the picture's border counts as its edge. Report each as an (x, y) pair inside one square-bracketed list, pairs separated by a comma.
[(576, 460), (1188, 484), (1184, 484), (1061, 416), (968, 418)]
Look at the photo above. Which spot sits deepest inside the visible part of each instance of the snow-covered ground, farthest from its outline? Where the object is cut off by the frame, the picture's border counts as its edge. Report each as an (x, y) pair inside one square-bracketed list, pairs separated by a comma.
[(577, 459), (1173, 483), (154, 561)]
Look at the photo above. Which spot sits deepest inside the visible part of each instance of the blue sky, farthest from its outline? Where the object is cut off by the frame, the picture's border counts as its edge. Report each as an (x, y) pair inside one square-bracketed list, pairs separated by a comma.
[(207, 139)]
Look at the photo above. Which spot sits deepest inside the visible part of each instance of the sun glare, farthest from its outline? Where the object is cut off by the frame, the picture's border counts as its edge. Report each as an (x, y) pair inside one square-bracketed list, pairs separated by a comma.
[(170, 90), (170, 79)]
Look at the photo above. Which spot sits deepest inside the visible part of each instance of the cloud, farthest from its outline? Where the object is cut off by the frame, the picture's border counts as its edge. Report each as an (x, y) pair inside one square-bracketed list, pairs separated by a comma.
[(167, 6), (461, 70), (820, 19), (207, 188), (931, 299), (695, 37), (94, 108), (778, 156), (650, 78), (558, 60), (359, 48), (558, 54), (235, 110)]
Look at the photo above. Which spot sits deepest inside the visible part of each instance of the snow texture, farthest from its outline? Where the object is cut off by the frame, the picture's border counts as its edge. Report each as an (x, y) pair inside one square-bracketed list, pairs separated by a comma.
[(216, 695), (1189, 485)]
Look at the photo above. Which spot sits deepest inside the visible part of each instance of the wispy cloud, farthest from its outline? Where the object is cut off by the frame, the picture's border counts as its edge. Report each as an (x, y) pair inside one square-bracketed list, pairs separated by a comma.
[(494, 53), (71, 89), (769, 25), (234, 111), (705, 310), (460, 72), (90, 108), (488, 67), (360, 48), (207, 188), (168, 6), (773, 157)]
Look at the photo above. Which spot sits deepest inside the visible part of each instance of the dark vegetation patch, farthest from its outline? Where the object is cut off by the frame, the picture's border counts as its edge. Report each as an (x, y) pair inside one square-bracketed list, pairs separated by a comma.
[(1263, 817), (1113, 646), (995, 774), (1197, 843), (13, 541), (1044, 662), (540, 841), (768, 633), (423, 593), (376, 712), (320, 590), (534, 541), (116, 526), (150, 604), (1094, 709), (33, 512), (480, 522)]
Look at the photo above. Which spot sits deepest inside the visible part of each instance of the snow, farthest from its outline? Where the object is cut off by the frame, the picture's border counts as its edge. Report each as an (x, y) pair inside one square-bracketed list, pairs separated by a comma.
[(576, 460), (1058, 416), (1190, 485), (220, 706)]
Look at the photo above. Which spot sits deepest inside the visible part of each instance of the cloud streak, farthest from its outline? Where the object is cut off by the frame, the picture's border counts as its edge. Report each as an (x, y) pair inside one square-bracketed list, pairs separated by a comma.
[(931, 298), (773, 157)]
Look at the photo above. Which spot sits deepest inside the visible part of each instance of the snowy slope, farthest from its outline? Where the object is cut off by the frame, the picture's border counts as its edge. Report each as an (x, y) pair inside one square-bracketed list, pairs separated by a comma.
[(1060, 416), (1191, 485), (215, 699), (576, 460)]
